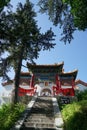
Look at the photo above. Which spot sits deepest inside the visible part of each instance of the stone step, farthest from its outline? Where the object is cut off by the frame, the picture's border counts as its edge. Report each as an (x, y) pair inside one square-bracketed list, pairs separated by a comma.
[(32, 128), (37, 115), (39, 125), (40, 117), (40, 121), (42, 110)]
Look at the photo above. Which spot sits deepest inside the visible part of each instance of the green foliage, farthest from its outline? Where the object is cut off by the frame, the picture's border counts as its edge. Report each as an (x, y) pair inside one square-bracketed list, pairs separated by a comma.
[(22, 39), (54, 9), (75, 116), (82, 95), (79, 11), (9, 114), (3, 3), (69, 14), (59, 13)]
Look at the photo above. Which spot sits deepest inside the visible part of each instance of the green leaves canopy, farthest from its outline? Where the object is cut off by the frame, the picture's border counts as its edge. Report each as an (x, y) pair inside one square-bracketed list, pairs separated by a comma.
[(79, 12), (3, 3)]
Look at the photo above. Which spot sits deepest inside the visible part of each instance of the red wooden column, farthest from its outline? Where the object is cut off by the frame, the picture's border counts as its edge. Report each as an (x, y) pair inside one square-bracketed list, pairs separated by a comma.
[(32, 81), (58, 85)]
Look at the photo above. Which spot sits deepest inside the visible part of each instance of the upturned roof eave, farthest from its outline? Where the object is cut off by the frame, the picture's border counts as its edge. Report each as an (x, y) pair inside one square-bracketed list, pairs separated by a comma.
[(80, 82), (70, 73), (45, 65)]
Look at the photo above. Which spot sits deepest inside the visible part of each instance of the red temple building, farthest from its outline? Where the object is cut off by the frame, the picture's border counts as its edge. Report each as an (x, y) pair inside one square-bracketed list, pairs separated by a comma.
[(47, 80), (52, 80)]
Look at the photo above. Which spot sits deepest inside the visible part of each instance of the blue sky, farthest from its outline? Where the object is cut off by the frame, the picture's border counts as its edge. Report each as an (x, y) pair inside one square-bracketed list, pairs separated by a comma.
[(74, 55)]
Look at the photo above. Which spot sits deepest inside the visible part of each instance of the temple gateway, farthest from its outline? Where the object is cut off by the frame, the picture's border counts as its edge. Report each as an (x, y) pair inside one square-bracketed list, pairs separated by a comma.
[(47, 80)]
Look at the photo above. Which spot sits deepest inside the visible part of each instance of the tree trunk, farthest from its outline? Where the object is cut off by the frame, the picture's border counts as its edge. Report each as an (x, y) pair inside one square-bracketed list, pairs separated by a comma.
[(17, 76)]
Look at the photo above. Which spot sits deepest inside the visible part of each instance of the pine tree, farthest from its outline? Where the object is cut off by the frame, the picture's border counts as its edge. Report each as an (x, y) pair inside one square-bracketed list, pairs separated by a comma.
[(22, 39)]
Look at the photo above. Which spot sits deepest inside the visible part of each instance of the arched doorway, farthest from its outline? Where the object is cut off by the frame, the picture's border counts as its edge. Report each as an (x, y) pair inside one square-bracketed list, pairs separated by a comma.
[(46, 92)]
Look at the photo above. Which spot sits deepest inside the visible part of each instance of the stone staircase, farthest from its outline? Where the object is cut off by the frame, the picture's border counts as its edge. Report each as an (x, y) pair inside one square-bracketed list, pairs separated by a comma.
[(42, 113), (41, 116)]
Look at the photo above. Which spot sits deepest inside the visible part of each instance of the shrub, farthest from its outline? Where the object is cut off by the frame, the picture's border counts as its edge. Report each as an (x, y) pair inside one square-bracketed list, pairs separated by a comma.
[(75, 116), (82, 95), (9, 114)]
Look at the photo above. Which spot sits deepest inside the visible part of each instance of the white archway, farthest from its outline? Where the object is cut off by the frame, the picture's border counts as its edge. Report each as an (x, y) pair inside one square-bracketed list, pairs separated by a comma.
[(46, 91)]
